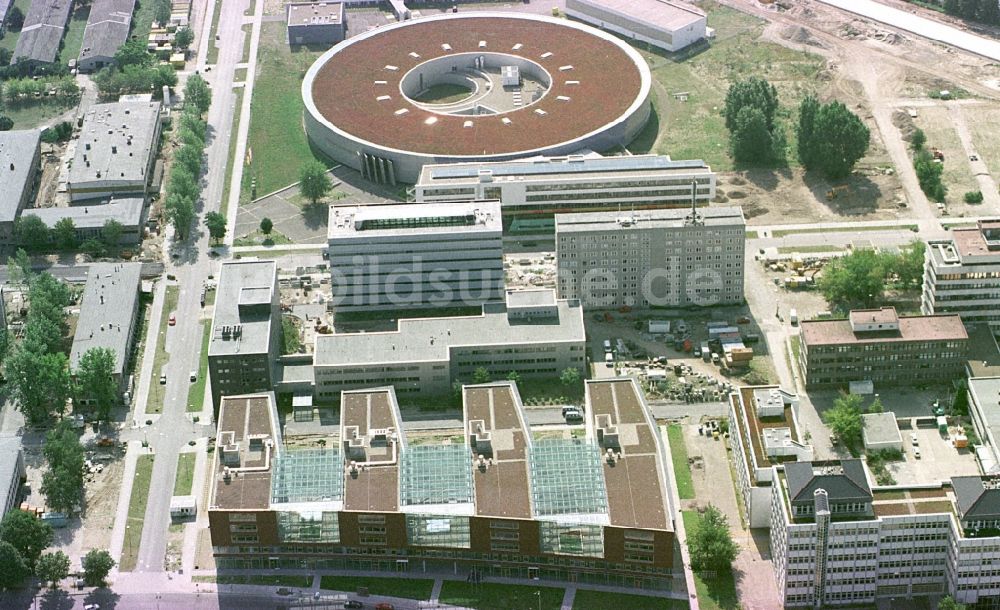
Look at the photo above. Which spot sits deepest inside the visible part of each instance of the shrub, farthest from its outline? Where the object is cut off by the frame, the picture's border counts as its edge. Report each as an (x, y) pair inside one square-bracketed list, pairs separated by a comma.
[(973, 197)]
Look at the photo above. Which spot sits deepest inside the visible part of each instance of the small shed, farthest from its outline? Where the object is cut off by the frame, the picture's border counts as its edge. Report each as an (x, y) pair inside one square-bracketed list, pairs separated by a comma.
[(881, 432), (183, 506)]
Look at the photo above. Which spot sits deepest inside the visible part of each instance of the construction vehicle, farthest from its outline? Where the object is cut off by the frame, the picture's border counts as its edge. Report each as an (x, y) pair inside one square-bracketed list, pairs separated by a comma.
[(836, 191), (938, 155)]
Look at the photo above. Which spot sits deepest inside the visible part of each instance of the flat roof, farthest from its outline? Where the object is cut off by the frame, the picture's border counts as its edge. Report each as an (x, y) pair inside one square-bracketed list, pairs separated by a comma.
[(881, 428), (386, 220), (431, 339), (255, 324), (746, 408), (883, 315), (127, 211), (115, 143), (305, 14), (17, 148), (240, 418), (501, 486), (911, 328), (374, 414), (107, 311), (583, 222), (536, 297), (42, 31), (636, 481), (547, 168), (107, 28), (664, 14)]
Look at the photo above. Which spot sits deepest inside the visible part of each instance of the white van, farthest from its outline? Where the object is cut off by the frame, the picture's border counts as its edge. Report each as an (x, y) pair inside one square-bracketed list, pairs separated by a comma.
[(793, 317), (609, 359)]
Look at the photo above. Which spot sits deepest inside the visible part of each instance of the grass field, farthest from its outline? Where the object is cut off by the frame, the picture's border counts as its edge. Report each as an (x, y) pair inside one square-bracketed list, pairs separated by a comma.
[(231, 159), (184, 481), (136, 512), (10, 38), (808, 229), (213, 51), (984, 126), (939, 127), (142, 19), (679, 457), (695, 129), (444, 94), (156, 389), (602, 600), (807, 249), (73, 38), (277, 140), (495, 596), (29, 116), (279, 580), (196, 392), (407, 588), (713, 593)]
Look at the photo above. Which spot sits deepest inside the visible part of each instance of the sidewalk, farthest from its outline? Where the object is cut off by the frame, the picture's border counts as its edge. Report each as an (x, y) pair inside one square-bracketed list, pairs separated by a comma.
[(132, 453)]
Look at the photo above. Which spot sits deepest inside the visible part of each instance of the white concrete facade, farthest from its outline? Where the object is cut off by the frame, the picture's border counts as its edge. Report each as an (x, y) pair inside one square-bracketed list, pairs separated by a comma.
[(667, 24), (962, 275)]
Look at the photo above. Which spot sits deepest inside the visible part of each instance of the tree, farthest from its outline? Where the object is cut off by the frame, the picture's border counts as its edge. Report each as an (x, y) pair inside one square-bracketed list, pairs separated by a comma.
[(111, 233), (948, 603), (711, 545), (844, 419), (161, 11), (52, 567), (908, 265), (876, 406), (753, 92), (93, 248), (180, 212), (26, 533), (858, 278), (62, 483), (64, 233), (183, 38), (197, 93), (183, 183), (514, 376), (6, 123), (750, 140), (216, 224), (19, 268), (266, 225), (481, 375), (38, 382), (929, 175), (133, 53), (806, 129), (96, 565), (95, 380), (31, 231), (189, 157), (840, 138), (15, 18), (314, 182), (12, 568), (917, 140), (569, 376)]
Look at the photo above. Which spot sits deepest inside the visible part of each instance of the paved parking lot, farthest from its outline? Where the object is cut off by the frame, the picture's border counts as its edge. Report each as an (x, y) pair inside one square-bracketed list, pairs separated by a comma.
[(939, 460)]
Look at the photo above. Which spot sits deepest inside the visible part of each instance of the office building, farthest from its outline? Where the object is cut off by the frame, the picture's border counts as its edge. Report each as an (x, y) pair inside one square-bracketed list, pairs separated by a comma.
[(593, 510), (415, 255), (667, 258), (983, 395), (667, 24), (116, 150), (107, 30), (879, 346), (576, 183), (531, 334), (12, 473), (42, 32), (246, 329), (89, 220), (962, 275), (319, 23), (109, 316), (20, 152)]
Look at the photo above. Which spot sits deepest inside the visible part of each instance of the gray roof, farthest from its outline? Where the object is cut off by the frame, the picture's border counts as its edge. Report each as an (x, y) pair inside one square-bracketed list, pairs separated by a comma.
[(583, 222), (127, 211), (977, 498), (43, 30), (555, 167), (107, 28), (107, 311), (305, 14), (239, 302), (664, 14), (531, 297), (843, 482), (881, 428), (10, 467), (430, 339), (115, 143), (4, 7), (405, 219), (16, 148)]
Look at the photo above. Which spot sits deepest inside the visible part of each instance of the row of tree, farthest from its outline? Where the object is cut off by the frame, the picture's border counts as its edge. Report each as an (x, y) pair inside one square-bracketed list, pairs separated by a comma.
[(984, 11), (831, 138), (28, 90), (32, 233), (182, 187), (928, 168), (135, 71), (862, 277)]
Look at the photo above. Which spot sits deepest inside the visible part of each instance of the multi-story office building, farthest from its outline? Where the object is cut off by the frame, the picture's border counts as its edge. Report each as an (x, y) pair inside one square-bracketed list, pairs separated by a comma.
[(879, 346), (983, 402), (315, 23), (109, 316), (532, 334), (592, 510), (962, 275), (575, 183), (246, 329), (12, 472), (671, 258), (415, 256)]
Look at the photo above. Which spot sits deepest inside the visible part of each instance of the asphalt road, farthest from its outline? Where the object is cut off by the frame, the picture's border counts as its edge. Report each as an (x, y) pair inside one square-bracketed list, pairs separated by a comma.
[(109, 600)]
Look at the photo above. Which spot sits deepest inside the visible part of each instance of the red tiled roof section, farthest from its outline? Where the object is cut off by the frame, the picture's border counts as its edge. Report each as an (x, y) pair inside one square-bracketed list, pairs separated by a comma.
[(916, 328), (344, 90)]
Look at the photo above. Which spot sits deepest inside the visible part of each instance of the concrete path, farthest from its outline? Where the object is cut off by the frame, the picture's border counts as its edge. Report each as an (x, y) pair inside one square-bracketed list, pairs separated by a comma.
[(132, 453), (436, 591), (568, 596), (190, 548)]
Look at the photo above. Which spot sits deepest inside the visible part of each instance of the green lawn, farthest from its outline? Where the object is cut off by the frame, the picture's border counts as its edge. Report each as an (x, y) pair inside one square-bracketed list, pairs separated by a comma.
[(279, 580), (73, 38), (679, 458), (29, 116), (156, 389), (494, 596), (136, 512), (213, 51), (603, 600), (713, 593), (196, 392), (231, 159), (808, 249), (808, 229), (10, 38), (256, 238), (407, 588), (277, 141), (184, 482), (142, 19), (271, 253), (444, 94)]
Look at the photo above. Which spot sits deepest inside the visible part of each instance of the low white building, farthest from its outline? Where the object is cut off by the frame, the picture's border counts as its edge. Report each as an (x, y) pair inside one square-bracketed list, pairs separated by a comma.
[(668, 24), (880, 432)]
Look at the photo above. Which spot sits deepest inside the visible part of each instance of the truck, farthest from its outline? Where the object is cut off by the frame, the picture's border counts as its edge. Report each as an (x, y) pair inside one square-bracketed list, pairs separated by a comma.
[(609, 360), (705, 352), (793, 317), (659, 327)]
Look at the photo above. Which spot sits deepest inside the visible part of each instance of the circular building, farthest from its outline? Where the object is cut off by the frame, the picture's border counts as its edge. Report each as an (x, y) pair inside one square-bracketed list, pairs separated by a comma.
[(478, 86)]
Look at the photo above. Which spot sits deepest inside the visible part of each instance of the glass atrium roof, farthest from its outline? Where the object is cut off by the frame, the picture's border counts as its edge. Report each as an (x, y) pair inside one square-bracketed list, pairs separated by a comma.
[(308, 475), (566, 477), (435, 474)]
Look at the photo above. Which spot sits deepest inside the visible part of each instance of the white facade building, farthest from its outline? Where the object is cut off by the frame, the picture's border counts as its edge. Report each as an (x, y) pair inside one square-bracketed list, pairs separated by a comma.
[(668, 24), (962, 275), (415, 256)]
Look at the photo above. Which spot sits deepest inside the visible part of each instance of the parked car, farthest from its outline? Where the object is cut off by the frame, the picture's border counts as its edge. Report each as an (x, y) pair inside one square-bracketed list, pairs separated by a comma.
[(913, 439), (163, 378), (916, 453), (173, 320), (384, 606), (194, 375), (572, 414), (353, 604)]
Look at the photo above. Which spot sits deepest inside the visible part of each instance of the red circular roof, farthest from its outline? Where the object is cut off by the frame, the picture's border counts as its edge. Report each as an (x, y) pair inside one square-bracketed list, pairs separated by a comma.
[(345, 92)]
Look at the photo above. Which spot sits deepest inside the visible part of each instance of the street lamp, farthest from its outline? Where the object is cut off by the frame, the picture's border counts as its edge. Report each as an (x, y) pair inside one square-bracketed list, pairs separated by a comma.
[(538, 594)]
